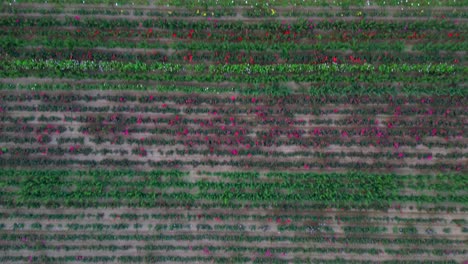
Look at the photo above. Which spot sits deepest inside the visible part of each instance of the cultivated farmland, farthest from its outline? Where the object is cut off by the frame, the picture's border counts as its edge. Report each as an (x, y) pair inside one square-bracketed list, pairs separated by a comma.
[(217, 131)]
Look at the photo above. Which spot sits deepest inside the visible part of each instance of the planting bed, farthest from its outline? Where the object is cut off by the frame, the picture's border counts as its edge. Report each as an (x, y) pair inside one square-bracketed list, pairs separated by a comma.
[(234, 132)]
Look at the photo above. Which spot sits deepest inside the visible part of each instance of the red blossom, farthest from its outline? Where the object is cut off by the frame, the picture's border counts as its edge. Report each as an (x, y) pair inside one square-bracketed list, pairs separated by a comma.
[(206, 251)]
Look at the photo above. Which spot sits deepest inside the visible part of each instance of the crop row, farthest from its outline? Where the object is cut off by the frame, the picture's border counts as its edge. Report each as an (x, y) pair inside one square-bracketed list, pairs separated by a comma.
[(347, 188), (207, 215), (282, 35), (271, 25), (241, 3), (352, 239), (249, 12), (237, 249), (395, 103), (176, 74), (233, 57)]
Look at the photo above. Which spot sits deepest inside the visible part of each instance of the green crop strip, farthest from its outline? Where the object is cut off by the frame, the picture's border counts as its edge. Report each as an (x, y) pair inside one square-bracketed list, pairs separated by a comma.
[(259, 4), (174, 24), (68, 188), (330, 89)]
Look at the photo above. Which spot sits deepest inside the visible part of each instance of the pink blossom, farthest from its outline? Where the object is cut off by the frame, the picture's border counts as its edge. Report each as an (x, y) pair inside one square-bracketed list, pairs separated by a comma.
[(401, 155), (396, 145), (233, 98), (72, 148), (335, 110), (125, 132), (306, 166), (234, 152), (268, 253), (429, 157), (254, 100), (164, 105), (77, 18)]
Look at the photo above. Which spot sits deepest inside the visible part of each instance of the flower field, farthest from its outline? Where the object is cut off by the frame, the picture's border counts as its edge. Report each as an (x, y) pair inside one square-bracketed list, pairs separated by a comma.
[(216, 131)]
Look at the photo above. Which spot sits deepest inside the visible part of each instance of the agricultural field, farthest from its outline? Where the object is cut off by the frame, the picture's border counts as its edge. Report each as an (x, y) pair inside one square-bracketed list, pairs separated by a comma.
[(228, 131)]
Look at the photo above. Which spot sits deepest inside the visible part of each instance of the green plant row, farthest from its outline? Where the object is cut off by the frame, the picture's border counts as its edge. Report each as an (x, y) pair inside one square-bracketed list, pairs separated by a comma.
[(363, 188), (266, 89), (351, 239), (451, 81), (272, 3), (253, 12), (298, 25), (10, 43), (235, 69)]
